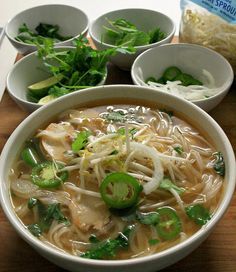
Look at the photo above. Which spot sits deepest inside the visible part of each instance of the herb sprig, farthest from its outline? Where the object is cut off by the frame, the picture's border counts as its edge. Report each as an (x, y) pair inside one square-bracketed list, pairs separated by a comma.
[(124, 33), (80, 67)]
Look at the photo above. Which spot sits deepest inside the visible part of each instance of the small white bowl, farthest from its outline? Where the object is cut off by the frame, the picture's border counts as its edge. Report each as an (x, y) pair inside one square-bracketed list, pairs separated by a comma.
[(71, 20), (143, 19), (25, 72), (191, 59), (200, 119)]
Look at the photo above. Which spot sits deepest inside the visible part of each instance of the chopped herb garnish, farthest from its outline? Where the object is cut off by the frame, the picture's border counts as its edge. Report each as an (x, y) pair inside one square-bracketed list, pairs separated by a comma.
[(199, 214), (179, 149), (80, 141), (132, 131), (32, 202), (151, 218), (116, 116), (109, 247), (35, 229), (46, 215), (219, 165)]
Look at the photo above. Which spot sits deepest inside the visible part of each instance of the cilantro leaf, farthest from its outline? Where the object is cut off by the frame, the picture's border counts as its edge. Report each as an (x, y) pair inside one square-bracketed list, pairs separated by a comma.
[(109, 247), (178, 149), (46, 215), (80, 141), (116, 116), (219, 165)]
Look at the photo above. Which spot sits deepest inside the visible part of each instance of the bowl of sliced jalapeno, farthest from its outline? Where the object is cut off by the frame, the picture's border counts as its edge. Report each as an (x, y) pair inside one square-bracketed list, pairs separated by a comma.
[(189, 71)]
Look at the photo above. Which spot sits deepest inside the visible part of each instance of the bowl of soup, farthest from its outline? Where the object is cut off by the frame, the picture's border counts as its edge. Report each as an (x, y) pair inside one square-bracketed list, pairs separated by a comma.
[(116, 178)]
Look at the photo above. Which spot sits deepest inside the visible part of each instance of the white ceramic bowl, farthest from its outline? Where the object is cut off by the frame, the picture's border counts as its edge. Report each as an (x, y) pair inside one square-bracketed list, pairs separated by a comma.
[(194, 114), (191, 59), (25, 72), (143, 19), (71, 20)]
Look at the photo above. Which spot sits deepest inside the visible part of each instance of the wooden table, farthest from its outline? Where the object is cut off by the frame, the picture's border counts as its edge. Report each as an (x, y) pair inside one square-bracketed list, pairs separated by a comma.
[(216, 254)]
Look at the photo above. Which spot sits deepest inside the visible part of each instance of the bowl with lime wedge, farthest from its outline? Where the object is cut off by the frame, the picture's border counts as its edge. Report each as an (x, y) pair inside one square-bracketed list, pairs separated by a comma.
[(49, 73)]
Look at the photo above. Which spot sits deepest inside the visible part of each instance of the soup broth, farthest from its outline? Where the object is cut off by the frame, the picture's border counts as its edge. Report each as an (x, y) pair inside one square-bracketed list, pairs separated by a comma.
[(116, 182)]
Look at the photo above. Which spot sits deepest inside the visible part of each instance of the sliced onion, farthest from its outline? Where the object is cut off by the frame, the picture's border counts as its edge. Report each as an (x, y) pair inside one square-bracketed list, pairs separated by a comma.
[(158, 172)]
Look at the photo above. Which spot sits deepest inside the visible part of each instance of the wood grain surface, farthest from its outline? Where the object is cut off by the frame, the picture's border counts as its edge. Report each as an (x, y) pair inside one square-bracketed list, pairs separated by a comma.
[(216, 254)]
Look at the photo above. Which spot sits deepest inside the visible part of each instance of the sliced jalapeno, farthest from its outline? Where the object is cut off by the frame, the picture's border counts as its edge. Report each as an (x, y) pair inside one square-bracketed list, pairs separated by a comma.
[(120, 190), (46, 175), (171, 73), (187, 79), (169, 225), (29, 156)]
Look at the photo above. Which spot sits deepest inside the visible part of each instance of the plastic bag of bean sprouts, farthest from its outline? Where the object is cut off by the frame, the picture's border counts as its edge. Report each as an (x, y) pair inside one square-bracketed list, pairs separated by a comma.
[(211, 23)]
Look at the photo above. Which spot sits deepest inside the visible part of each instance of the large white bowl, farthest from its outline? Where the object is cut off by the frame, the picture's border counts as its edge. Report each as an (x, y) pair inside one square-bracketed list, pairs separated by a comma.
[(71, 20), (191, 59), (26, 72), (194, 114), (143, 19)]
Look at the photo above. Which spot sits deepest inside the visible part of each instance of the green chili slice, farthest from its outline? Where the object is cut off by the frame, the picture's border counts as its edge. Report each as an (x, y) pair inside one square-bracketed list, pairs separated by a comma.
[(120, 190), (171, 73), (169, 225), (29, 156), (46, 175)]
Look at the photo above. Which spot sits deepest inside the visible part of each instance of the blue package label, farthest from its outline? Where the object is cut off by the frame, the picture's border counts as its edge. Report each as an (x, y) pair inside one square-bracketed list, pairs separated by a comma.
[(226, 9)]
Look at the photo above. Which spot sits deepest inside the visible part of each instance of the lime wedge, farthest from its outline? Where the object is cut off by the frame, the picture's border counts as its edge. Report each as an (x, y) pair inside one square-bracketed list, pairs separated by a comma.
[(40, 87), (46, 99)]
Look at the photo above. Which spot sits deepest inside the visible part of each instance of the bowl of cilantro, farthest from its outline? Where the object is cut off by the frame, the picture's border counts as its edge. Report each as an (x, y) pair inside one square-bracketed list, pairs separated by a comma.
[(51, 72), (56, 22), (135, 29)]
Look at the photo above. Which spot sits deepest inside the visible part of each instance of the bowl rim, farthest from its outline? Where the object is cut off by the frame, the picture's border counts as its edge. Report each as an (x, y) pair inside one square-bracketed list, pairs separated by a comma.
[(140, 47), (51, 251), (45, 5), (25, 58), (223, 88)]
